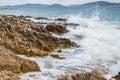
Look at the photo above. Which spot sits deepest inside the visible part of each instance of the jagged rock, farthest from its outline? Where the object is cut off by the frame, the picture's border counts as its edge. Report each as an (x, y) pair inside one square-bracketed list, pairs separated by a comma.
[(29, 38), (94, 75), (56, 28), (10, 62), (8, 75)]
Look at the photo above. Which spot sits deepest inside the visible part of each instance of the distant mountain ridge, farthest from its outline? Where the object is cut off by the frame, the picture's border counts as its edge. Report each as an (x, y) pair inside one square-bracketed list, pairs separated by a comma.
[(35, 6), (101, 3), (97, 3)]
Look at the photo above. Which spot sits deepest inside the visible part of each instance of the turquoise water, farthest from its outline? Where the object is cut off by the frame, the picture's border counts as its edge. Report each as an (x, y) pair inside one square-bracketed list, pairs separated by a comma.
[(105, 13)]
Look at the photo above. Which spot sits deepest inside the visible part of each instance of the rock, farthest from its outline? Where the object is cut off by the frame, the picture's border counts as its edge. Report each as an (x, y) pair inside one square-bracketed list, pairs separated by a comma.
[(71, 24), (59, 51), (10, 62), (94, 75), (8, 75), (30, 38), (60, 19), (117, 77), (56, 28), (28, 16), (112, 79), (56, 56), (40, 18)]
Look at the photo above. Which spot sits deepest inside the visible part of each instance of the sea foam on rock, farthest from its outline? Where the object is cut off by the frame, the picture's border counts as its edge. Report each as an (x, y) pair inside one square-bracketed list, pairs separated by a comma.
[(117, 77)]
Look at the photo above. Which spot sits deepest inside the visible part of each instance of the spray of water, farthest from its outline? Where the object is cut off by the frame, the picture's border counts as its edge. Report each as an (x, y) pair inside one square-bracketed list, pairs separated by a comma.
[(100, 48)]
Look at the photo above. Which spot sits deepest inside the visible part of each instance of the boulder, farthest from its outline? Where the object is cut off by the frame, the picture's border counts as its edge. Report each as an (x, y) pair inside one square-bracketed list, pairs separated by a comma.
[(56, 28)]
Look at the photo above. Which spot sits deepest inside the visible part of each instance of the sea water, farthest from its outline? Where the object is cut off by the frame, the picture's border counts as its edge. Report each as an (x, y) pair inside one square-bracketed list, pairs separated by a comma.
[(99, 45)]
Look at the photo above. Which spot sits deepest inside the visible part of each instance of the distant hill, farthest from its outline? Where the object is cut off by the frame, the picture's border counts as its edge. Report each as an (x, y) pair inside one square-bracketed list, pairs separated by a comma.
[(34, 6), (98, 3)]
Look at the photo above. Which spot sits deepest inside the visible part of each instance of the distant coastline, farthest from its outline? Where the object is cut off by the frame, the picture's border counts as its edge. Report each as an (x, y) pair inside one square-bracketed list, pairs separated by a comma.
[(4, 8), (91, 4)]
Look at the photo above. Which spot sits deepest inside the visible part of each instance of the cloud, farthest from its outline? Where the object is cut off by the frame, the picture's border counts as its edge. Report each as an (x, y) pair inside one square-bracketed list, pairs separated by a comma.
[(65, 2)]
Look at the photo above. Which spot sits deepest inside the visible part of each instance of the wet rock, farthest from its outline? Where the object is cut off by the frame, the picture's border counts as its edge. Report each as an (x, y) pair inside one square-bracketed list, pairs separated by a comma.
[(117, 77), (60, 19), (28, 16), (59, 51), (71, 24), (10, 62), (79, 36), (40, 18), (56, 56), (94, 75), (8, 75), (56, 28)]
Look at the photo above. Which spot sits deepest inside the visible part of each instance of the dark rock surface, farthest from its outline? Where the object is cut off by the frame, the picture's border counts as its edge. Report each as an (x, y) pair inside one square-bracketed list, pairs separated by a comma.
[(56, 28), (117, 77)]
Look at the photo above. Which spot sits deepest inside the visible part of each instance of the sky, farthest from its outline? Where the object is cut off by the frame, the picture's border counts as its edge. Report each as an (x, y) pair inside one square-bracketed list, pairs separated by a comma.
[(64, 2)]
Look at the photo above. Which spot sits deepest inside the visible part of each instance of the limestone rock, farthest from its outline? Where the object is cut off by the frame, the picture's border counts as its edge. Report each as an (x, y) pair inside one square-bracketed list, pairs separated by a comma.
[(26, 37), (10, 62)]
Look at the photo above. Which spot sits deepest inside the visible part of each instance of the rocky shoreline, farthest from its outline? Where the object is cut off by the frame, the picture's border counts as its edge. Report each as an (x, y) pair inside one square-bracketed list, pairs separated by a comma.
[(19, 35)]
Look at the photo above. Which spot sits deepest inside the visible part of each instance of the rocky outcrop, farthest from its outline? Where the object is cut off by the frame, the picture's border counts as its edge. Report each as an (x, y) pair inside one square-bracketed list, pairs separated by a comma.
[(10, 62), (56, 28), (8, 75), (94, 75), (26, 37)]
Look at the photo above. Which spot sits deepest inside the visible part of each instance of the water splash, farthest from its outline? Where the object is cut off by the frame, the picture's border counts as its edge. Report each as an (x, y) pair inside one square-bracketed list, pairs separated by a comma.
[(99, 49)]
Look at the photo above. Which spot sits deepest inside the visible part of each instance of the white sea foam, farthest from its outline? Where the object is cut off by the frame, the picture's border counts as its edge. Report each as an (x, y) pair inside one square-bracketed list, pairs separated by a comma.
[(100, 48)]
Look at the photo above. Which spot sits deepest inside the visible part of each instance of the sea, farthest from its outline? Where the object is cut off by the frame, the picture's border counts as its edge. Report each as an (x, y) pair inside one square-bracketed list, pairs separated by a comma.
[(99, 45)]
